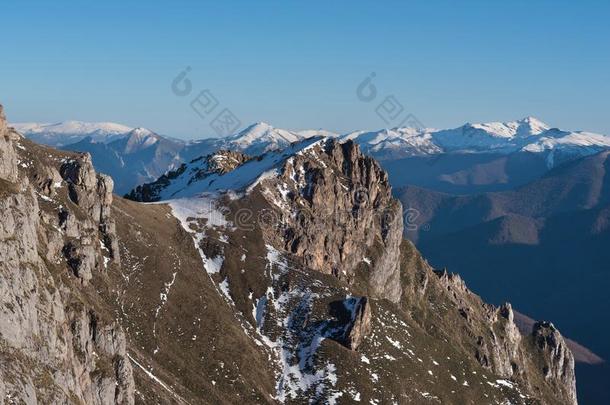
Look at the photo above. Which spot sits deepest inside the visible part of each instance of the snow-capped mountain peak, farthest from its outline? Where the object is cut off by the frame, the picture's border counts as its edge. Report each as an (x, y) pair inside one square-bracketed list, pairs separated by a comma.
[(525, 127), (68, 132), (528, 134), (395, 142), (263, 131), (140, 138), (141, 132), (534, 124), (261, 137)]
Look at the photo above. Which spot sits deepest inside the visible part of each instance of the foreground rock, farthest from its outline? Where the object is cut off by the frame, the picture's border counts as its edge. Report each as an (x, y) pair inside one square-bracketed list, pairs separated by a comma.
[(55, 345)]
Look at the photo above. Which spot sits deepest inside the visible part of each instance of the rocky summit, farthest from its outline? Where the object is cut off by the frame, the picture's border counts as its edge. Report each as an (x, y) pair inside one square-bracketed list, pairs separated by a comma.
[(278, 278)]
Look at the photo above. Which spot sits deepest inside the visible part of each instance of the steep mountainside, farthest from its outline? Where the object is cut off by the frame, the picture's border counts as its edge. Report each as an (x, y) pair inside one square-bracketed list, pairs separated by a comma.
[(292, 286), (322, 216), (542, 246), (59, 342)]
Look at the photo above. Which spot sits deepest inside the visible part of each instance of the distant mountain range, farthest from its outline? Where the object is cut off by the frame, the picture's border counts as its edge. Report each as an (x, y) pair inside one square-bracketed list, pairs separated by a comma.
[(69, 132), (134, 156), (468, 159)]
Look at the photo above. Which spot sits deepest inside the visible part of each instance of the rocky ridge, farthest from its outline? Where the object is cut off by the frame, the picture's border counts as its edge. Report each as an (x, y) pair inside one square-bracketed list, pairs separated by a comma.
[(327, 207), (295, 257), (198, 169), (335, 209)]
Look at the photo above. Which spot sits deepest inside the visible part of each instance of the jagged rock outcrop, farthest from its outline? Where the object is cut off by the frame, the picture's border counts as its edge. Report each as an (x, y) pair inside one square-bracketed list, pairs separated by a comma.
[(360, 325), (329, 209), (222, 161), (92, 192), (497, 349), (499, 346), (335, 207), (558, 361), (336, 212), (54, 346)]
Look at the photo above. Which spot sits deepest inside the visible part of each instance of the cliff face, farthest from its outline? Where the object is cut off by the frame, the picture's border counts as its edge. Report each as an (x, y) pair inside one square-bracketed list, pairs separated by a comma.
[(335, 211), (557, 359), (8, 156), (277, 279), (54, 345)]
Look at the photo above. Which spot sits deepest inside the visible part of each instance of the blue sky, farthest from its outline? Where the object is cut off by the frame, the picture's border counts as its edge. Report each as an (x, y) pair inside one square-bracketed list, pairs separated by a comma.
[(297, 65)]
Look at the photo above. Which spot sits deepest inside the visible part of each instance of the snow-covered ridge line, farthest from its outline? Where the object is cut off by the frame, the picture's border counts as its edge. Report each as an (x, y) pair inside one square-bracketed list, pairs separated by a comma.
[(71, 127), (528, 135), (71, 132), (188, 182)]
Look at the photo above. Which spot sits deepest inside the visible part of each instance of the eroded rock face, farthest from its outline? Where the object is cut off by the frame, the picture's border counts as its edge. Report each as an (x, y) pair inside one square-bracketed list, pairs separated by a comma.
[(88, 189), (558, 368), (38, 328), (93, 193), (54, 348), (8, 156), (80, 256), (336, 212), (498, 344)]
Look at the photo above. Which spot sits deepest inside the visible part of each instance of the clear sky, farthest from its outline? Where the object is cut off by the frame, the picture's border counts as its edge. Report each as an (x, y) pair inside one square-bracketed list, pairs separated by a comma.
[(297, 65)]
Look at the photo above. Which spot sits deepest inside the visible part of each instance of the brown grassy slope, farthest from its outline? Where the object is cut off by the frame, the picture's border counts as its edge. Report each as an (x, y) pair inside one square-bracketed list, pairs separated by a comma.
[(202, 351)]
